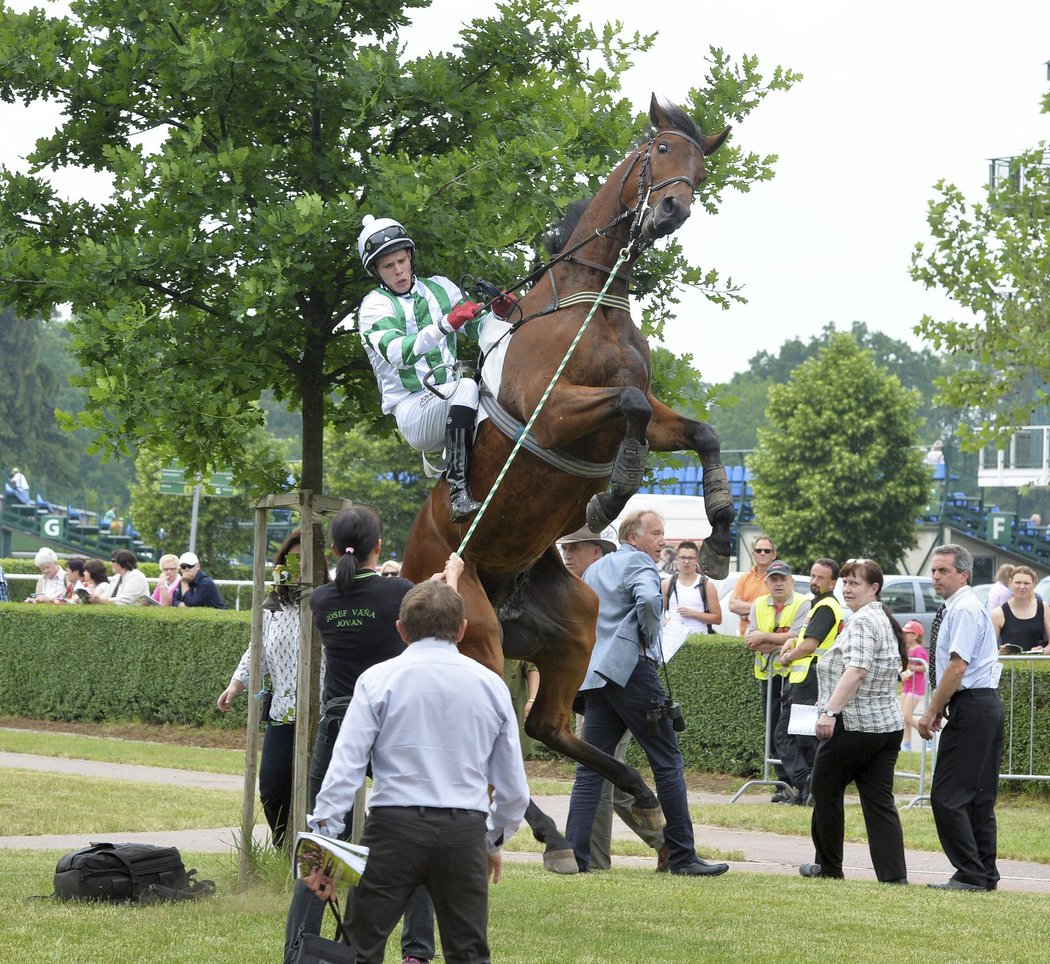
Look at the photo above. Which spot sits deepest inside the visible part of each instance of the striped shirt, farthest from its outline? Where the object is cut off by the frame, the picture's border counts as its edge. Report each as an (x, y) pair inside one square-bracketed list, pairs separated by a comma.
[(408, 336), (868, 643)]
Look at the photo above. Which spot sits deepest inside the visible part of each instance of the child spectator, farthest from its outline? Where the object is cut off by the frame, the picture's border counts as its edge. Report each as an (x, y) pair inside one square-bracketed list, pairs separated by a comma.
[(913, 679)]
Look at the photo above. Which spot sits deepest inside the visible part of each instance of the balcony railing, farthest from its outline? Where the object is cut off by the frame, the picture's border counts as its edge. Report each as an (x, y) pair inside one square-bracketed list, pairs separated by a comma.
[(1026, 461)]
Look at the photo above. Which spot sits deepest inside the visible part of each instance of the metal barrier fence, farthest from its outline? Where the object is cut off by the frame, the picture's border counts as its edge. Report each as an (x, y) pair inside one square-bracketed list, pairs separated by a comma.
[(239, 583), (1017, 720)]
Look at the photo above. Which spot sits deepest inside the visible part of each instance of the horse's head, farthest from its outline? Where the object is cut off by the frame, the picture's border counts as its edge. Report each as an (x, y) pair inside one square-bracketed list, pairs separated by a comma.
[(668, 168)]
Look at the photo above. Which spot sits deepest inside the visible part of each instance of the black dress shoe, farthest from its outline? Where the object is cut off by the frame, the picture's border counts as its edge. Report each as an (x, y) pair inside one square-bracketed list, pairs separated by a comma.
[(903, 881), (954, 884), (783, 796), (811, 870), (700, 868)]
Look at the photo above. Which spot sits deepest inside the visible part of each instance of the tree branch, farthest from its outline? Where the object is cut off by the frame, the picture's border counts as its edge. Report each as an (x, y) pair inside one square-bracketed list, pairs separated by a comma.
[(177, 296)]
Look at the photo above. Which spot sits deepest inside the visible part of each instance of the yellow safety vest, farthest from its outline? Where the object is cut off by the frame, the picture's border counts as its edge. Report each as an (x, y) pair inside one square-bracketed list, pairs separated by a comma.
[(769, 622), (800, 667)]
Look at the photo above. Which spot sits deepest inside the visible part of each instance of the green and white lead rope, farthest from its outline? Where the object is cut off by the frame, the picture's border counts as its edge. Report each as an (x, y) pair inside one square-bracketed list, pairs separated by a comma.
[(624, 255)]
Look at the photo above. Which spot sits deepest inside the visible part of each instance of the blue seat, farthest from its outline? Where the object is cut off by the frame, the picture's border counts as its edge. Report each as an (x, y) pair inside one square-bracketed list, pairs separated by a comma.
[(42, 503)]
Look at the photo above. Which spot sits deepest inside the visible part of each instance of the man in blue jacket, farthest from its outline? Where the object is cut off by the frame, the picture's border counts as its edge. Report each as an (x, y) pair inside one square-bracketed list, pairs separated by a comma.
[(622, 691)]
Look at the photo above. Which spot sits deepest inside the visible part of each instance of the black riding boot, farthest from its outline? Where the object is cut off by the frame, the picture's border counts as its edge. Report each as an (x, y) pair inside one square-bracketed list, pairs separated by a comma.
[(458, 434)]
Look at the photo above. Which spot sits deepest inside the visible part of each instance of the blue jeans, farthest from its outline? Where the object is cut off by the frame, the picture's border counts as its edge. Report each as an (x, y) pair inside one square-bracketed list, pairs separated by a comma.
[(607, 714), (306, 912)]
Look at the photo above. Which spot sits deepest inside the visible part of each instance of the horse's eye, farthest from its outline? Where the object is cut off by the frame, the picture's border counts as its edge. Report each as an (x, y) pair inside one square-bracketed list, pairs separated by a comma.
[(662, 149)]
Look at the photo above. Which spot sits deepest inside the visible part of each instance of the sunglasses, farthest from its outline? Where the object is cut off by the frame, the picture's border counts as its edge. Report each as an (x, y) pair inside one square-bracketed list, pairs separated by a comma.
[(763, 552), (856, 562), (187, 565)]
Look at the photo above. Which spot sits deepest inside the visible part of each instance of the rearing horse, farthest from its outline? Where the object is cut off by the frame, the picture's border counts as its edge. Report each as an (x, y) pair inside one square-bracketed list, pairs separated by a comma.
[(596, 428)]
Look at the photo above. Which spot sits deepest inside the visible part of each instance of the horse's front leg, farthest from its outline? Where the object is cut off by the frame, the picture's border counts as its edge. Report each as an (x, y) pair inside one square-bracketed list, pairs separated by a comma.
[(629, 468), (670, 432)]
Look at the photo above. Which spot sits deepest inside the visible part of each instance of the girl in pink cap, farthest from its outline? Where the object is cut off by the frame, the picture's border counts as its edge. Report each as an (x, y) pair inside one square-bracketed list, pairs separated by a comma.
[(913, 679)]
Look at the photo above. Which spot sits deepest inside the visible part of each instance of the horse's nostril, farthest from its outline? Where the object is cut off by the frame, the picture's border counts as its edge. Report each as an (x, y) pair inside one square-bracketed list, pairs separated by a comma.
[(670, 204)]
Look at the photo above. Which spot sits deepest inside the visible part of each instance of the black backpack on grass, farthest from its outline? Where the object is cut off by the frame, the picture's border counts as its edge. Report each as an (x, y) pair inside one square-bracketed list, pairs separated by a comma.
[(127, 873)]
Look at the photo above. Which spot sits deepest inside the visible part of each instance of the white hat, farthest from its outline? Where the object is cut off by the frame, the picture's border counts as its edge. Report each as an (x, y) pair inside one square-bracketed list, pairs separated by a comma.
[(189, 559), (381, 236)]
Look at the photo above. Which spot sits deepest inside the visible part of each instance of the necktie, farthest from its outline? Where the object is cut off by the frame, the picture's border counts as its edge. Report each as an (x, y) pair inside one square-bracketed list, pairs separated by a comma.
[(934, 629)]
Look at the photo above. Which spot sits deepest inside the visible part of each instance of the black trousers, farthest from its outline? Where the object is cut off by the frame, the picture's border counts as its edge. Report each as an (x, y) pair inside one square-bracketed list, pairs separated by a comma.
[(866, 759), (797, 753), (275, 777), (966, 783), (410, 847)]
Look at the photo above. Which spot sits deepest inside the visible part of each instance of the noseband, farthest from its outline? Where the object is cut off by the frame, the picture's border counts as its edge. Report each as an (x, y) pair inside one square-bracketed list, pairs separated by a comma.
[(646, 185)]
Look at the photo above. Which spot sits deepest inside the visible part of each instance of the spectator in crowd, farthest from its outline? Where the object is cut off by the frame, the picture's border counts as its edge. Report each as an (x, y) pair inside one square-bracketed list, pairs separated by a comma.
[(19, 483), (752, 584), (582, 547), (5, 596), (52, 584), (1035, 520), (130, 584), (109, 518), (622, 686), (431, 781), (409, 327), (390, 568), (801, 654), (964, 676), (913, 679), (1022, 623), (351, 647), (168, 581), (772, 619), (579, 550), (523, 681), (74, 579), (1000, 590), (667, 560), (690, 598), (95, 580), (280, 666), (860, 727), (196, 588), (935, 456)]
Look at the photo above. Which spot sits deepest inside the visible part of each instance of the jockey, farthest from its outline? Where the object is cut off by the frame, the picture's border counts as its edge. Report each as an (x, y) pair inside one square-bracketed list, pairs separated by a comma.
[(409, 326)]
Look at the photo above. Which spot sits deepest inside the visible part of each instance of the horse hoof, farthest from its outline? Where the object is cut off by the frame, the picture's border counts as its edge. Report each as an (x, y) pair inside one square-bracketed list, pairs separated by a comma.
[(711, 564), (596, 517), (652, 817), (560, 862)]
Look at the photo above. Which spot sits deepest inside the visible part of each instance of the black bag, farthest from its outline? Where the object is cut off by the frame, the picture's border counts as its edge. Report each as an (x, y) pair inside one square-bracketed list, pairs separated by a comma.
[(315, 949), (124, 873)]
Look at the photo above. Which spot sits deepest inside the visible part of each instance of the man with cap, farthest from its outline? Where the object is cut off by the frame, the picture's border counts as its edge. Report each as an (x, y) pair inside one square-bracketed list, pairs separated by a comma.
[(775, 616), (580, 549), (752, 583), (800, 654), (195, 588), (408, 325)]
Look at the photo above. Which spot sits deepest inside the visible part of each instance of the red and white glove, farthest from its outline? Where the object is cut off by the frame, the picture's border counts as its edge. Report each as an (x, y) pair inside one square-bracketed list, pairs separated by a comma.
[(504, 305), (463, 312)]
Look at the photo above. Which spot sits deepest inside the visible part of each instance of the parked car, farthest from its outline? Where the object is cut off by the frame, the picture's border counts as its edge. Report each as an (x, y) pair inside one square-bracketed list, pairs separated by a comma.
[(1042, 589), (982, 592)]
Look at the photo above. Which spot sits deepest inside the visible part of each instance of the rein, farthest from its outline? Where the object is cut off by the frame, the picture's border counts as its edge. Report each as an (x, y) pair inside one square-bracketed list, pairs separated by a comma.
[(625, 253)]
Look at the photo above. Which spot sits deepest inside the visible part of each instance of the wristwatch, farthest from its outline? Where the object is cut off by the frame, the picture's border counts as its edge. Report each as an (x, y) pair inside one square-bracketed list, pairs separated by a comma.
[(832, 715)]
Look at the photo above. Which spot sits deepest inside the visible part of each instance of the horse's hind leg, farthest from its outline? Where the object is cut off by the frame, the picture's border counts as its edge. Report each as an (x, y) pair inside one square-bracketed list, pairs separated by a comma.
[(629, 468)]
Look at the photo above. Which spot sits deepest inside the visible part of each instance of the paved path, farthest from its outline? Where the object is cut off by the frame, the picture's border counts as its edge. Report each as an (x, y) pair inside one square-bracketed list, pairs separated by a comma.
[(767, 853)]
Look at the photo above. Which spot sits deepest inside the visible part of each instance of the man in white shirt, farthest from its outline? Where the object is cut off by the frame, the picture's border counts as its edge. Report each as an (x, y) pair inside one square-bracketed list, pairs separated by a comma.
[(438, 729)]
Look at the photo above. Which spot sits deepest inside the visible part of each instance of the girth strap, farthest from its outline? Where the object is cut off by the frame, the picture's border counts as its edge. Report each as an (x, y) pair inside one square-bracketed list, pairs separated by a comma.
[(559, 458)]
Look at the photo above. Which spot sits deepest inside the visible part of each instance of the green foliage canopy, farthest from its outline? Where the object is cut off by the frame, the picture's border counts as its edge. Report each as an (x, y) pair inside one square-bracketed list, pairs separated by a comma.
[(993, 259), (245, 144), (837, 472)]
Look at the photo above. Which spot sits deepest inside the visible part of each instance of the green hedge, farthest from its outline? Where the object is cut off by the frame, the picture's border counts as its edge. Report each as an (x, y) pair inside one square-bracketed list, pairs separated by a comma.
[(120, 663), (123, 663), (18, 589)]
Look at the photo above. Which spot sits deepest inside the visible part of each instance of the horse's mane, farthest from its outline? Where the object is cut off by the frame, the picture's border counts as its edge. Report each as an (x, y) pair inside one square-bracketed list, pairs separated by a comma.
[(679, 120), (557, 236)]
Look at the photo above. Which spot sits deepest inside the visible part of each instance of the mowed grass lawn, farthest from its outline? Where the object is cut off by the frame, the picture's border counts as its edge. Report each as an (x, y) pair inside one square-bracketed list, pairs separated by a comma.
[(624, 916), (628, 915)]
